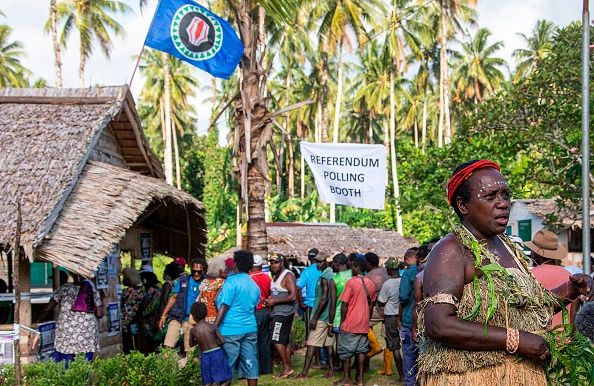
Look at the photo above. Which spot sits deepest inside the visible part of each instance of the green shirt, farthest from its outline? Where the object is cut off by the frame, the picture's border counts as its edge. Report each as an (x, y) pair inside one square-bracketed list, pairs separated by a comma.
[(327, 274), (340, 279)]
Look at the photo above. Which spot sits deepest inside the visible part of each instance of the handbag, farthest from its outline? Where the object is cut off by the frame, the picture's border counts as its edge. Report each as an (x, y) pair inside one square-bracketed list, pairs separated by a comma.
[(85, 301)]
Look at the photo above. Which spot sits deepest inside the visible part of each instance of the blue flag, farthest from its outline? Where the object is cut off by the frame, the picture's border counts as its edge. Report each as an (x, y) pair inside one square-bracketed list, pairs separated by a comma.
[(192, 33)]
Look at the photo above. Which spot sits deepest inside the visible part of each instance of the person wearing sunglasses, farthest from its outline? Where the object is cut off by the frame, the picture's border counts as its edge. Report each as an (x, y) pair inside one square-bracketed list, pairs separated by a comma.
[(177, 310)]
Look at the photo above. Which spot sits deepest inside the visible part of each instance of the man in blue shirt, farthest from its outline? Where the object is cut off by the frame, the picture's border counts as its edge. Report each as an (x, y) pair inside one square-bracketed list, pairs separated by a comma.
[(307, 283), (236, 319), (406, 296), (177, 310)]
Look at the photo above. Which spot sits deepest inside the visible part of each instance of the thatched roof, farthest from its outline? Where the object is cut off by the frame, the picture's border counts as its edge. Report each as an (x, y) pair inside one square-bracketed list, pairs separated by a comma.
[(46, 137), (570, 215), (295, 239), (106, 201)]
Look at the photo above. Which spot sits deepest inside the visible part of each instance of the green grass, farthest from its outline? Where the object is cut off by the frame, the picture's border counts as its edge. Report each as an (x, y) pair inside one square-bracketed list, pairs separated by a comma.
[(316, 376)]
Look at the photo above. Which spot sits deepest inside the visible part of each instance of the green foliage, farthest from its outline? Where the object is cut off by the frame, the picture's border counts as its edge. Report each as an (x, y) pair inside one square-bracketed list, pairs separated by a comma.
[(572, 359), (134, 369)]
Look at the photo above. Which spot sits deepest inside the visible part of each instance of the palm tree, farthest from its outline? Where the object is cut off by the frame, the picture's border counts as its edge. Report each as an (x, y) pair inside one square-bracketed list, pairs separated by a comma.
[(339, 17), (168, 84), (12, 72), (538, 46), (294, 44), (251, 117), (51, 26), (92, 19), (477, 73), (452, 14)]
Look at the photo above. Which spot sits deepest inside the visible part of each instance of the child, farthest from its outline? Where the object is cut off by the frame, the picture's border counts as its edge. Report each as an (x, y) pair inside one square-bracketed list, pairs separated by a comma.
[(213, 363)]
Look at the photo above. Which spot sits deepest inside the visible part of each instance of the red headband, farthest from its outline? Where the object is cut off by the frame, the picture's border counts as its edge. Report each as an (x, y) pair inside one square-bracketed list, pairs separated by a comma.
[(463, 174)]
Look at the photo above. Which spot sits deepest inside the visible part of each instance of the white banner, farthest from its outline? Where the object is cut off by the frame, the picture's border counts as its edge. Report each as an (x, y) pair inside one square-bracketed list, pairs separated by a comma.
[(348, 173)]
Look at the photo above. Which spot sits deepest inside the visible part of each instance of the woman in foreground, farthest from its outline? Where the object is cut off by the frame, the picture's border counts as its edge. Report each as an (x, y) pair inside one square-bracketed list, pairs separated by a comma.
[(483, 308)]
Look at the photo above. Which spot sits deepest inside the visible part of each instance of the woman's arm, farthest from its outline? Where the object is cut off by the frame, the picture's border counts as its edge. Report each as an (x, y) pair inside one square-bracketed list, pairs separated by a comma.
[(449, 269)]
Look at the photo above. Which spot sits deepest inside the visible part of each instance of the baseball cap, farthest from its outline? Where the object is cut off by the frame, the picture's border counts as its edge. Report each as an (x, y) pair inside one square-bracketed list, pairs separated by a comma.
[(312, 253), (258, 260), (391, 263), (275, 257), (321, 256), (180, 261)]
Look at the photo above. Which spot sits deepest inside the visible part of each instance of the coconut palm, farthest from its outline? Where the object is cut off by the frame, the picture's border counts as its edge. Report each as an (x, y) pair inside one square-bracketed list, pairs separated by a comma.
[(293, 44), (339, 17), (453, 14), (175, 76), (93, 20), (51, 26), (12, 72), (538, 46), (477, 73)]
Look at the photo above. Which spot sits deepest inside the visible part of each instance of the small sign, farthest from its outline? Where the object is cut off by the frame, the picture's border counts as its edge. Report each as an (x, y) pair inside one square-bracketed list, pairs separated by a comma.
[(145, 247), (47, 331), (102, 275), (114, 318)]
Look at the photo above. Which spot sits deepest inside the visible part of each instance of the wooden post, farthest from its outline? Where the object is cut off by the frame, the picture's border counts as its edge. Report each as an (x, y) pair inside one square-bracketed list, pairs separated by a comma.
[(17, 297)]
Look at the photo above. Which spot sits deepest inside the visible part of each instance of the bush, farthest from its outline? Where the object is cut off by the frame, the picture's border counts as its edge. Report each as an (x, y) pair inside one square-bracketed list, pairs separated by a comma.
[(134, 369)]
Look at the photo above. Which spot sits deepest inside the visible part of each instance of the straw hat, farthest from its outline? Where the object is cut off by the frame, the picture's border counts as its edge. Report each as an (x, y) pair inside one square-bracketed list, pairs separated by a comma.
[(546, 244)]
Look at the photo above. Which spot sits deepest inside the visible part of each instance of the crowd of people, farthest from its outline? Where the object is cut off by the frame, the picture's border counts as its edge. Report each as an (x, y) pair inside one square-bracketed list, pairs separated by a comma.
[(455, 311)]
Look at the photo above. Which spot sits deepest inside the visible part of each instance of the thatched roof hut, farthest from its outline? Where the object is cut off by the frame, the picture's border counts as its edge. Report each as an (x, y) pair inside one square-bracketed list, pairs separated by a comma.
[(82, 169), (294, 240)]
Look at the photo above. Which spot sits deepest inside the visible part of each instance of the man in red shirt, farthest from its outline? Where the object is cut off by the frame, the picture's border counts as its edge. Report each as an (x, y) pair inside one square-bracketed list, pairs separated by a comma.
[(262, 316), (357, 297)]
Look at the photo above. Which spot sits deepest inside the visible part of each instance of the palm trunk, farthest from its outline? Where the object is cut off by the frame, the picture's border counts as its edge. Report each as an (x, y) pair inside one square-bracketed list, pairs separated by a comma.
[(424, 129), (444, 120), (302, 177), (318, 123), (370, 128), (177, 170), (338, 94), (81, 66), (213, 98), (291, 166), (167, 156), (393, 151), (416, 126), (324, 90), (253, 134), (162, 114), (56, 45)]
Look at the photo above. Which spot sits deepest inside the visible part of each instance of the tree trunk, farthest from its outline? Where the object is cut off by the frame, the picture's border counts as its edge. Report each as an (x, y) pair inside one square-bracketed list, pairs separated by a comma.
[(393, 150), (213, 98), (370, 129), (444, 81), (318, 122), (177, 170), (17, 295), (338, 94), (324, 90), (56, 44), (162, 114), (424, 129), (81, 66), (302, 177), (416, 126), (254, 131), (167, 156)]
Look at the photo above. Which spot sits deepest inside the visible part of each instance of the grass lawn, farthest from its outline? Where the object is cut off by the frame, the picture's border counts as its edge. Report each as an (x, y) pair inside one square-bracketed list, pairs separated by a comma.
[(316, 376)]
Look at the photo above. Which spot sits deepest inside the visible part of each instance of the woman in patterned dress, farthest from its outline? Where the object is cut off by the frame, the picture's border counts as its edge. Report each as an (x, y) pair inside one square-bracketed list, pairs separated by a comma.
[(76, 331), (210, 288)]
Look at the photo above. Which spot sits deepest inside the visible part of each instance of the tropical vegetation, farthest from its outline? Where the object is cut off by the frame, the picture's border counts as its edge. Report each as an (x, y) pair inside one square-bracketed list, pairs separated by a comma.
[(420, 77)]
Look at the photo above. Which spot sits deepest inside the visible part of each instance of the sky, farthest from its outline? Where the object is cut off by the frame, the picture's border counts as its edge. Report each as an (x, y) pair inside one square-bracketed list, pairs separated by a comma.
[(504, 18)]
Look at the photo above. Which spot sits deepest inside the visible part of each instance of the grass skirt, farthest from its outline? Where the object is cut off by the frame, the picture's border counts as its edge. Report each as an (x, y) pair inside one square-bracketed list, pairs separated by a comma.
[(512, 372)]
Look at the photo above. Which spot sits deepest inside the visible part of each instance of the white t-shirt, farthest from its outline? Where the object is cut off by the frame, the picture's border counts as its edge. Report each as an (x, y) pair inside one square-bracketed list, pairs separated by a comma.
[(389, 295)]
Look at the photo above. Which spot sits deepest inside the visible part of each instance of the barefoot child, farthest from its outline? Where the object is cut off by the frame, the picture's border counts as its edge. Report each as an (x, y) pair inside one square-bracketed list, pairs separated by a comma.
[(213, 363)]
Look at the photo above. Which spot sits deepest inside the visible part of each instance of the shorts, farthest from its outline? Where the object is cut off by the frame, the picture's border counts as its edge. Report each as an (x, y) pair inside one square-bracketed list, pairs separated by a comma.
[(350, 344), (392, 333), (377, 316), (242, 354), (319, 337), (214, 366), (67, 358), (281, 329), (173, 332)]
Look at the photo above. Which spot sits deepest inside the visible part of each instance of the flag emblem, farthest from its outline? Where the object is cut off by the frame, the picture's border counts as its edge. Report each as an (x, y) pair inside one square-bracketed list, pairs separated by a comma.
[(196, 34)]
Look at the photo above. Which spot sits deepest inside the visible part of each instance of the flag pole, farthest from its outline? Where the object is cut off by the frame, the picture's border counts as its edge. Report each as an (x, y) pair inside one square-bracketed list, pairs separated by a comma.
[(136, 66)]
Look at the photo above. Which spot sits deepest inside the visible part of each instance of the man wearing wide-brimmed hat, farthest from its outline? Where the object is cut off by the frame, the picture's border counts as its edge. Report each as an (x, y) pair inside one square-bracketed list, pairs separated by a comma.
[(547, 253)]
